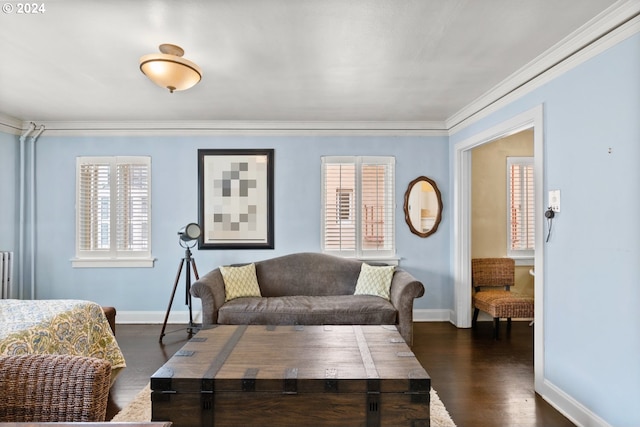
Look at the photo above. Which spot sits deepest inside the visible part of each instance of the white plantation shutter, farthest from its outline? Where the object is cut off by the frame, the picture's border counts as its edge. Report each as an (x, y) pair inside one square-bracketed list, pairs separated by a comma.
[(94, 197), (521, 214), (113, 208), (377, 206), (132, 207), (339, 186), (358, 206)]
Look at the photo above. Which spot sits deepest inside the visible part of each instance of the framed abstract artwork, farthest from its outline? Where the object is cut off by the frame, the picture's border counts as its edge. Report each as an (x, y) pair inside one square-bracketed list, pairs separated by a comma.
[(235, 189)]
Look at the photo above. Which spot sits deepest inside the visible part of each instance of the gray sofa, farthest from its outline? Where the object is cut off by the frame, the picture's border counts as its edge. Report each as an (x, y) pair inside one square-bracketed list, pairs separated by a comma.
[(310, 289)]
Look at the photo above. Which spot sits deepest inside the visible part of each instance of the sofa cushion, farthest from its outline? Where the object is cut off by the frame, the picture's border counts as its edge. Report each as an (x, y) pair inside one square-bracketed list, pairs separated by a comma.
[(374, 281), (308, 310), (240, 282)]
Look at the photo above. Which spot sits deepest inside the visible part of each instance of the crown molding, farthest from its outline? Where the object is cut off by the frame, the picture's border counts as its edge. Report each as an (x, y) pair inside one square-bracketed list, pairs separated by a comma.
[(182, 128), (615, 24), (11, 125)]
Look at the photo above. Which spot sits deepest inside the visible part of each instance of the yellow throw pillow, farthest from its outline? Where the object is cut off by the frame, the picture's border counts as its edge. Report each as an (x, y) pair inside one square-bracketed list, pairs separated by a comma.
[(240, 282), (374, 280)]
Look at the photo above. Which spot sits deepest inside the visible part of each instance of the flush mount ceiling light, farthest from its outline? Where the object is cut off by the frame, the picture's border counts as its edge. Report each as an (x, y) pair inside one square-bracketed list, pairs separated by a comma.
[(169, 69)]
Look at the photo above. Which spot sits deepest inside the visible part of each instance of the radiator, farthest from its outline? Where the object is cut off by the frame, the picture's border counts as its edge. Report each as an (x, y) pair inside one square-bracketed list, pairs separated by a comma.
[(6, 274)]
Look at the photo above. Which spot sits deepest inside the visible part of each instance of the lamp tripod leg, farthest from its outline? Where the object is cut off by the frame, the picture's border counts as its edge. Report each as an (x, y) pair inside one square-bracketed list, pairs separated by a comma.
[(191, 265), (173, 294), (187, 296), (195, 270)]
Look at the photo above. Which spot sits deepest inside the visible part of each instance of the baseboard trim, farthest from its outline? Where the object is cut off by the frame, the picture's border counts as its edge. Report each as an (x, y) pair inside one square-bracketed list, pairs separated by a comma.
[(432, 315), (155, 317), (576, 412), (178, 317)]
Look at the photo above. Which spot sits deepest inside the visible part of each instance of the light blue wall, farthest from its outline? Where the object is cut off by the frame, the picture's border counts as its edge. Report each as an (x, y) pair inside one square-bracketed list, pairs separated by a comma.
[(592, 260), (592, 268), (9, 162), (175, 203)]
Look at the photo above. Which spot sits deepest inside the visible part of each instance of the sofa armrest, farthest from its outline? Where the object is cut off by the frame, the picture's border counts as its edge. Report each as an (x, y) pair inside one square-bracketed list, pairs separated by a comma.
[(404, 289), (210, 289)]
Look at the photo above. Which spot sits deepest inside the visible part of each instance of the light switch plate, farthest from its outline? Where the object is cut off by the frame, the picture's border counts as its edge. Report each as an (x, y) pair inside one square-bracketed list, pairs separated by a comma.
[(554, 200)]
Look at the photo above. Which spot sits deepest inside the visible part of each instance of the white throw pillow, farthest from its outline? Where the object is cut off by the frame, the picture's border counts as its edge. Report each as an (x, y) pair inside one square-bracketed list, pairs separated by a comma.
[(240, 282), (374, 280)]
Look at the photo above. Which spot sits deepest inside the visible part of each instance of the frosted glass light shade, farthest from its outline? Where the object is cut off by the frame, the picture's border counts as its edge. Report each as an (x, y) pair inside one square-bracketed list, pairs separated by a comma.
[(169, 70)]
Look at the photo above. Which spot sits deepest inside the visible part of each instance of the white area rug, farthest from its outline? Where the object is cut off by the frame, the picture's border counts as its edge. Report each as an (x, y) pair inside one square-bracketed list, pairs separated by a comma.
[(139, 410)]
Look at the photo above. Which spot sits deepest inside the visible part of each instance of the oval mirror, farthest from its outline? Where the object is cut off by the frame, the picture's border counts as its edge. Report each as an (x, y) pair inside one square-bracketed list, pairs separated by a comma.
[(423, 206)]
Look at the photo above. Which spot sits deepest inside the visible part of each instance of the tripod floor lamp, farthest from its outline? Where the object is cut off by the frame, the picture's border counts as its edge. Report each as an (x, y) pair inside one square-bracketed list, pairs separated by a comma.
[(188, 236)]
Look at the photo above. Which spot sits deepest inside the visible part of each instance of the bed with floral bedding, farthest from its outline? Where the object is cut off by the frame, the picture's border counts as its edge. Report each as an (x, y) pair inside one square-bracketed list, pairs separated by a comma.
[(61, 326)]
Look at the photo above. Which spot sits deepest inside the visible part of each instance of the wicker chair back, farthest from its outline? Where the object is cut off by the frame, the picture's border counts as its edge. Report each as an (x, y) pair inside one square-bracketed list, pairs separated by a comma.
[(492, 272), (53, 388)]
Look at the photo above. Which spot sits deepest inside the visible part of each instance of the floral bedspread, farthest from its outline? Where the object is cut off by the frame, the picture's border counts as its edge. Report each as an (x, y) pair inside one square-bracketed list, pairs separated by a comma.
[(58, 327)]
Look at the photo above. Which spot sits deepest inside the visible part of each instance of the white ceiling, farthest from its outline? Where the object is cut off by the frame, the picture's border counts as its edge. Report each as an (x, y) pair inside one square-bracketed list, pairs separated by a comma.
[(275, 60)]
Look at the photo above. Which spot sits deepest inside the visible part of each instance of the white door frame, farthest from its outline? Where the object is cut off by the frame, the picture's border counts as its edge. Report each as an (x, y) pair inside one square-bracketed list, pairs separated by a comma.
[(462, 223)]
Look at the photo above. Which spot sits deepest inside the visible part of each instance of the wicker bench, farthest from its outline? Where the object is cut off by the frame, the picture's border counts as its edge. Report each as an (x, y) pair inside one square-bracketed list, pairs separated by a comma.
[(500, 303)]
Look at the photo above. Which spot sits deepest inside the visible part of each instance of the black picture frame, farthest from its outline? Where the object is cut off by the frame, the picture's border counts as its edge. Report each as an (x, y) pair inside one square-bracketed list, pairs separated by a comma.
[(235, 204)]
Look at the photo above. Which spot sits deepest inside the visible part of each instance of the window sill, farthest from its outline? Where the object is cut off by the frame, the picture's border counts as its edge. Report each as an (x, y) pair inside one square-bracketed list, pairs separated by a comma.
[(384, 260), (112, 262), (524, 261), (389, 260)]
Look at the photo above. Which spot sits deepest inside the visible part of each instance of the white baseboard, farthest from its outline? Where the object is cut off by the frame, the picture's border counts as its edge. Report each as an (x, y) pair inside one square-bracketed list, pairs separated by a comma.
[(155, 317), (432, 315), (178, 317), (576, 412)]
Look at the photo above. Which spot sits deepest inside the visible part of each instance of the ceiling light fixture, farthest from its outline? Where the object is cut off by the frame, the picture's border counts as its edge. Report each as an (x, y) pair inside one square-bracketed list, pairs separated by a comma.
[(169, 69)]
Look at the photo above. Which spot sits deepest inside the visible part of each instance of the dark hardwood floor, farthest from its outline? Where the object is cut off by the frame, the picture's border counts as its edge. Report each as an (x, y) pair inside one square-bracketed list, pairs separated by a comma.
[(482, 382)]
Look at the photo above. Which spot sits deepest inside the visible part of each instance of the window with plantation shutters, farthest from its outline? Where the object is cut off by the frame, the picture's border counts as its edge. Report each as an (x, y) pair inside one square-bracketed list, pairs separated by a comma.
[(358, 206), (113, 211), (520, 203)]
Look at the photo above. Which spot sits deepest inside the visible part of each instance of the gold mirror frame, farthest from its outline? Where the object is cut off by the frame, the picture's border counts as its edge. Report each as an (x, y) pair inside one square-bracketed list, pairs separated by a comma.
[(417, 229)]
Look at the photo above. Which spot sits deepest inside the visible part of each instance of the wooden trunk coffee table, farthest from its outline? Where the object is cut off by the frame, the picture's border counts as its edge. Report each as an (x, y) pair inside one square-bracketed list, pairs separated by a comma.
[(293, 376)]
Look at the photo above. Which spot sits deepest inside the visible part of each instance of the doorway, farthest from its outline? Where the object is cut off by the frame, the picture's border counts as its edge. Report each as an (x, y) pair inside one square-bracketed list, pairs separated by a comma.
[(462, 232), (502, 204)]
